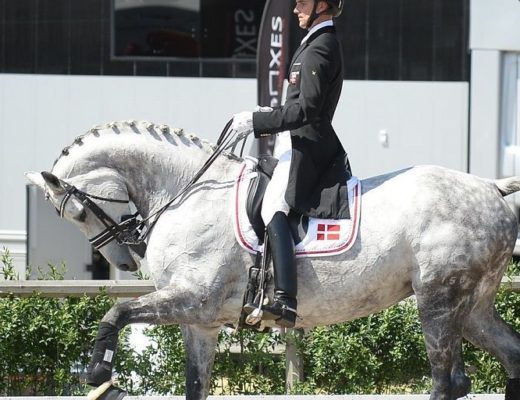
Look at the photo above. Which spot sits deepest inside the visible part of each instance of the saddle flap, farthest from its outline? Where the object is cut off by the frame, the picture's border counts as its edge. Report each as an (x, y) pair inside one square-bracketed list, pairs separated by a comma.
[(255, 193)]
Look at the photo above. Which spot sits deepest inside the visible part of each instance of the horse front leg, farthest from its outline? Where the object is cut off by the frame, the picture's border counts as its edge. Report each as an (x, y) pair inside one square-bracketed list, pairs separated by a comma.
[(163, 307)]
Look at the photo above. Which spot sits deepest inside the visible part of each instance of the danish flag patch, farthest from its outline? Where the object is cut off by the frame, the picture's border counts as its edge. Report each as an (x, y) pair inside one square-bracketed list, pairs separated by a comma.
[(293, 78), (328, 232)]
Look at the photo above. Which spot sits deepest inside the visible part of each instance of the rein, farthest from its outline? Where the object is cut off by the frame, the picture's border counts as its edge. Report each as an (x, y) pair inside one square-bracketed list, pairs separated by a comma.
[(131, 231), (223, 143)]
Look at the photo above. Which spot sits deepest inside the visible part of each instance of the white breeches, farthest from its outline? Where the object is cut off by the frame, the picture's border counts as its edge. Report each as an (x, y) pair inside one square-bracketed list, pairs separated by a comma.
[(274, 198)]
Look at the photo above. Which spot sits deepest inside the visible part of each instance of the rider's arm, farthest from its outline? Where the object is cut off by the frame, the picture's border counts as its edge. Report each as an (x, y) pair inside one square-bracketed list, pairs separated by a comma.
[(315, 78)]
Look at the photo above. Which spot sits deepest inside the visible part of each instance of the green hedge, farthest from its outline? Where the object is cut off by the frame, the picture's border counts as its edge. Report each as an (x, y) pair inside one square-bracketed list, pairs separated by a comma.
[(45, 347)]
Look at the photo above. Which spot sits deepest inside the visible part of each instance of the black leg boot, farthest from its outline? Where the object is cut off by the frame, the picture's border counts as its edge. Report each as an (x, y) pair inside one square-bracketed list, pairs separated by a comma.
[(283, 309), (99, 372)]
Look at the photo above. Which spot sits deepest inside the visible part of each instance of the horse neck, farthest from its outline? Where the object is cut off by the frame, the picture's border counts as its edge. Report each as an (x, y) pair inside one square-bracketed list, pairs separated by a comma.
[(155, 166), (167, 173)]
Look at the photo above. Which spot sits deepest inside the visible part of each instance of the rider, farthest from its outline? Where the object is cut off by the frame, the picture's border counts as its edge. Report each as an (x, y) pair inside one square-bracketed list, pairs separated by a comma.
[(311, 177)]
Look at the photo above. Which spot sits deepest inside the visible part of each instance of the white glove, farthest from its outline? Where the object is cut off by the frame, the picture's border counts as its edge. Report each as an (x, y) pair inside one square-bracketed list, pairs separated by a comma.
[(263, 109), (243, 124)]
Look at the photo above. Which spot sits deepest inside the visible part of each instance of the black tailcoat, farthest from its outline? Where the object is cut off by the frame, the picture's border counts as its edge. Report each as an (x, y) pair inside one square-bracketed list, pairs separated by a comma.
[(319, 165)]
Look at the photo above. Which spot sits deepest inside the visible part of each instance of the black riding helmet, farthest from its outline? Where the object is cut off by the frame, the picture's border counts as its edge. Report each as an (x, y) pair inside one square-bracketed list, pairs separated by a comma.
[(335, 9)]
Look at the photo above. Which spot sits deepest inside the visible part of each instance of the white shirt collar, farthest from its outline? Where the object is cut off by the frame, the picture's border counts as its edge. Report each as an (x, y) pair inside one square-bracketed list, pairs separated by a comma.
[(323, 24)]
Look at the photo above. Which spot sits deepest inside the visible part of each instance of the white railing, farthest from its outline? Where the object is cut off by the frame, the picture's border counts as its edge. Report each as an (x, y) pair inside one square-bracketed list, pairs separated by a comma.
[(118, 288), (76, 288)]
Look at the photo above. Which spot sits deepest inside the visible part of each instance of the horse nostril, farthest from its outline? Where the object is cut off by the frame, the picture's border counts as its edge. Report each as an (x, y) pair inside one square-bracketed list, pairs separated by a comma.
[(128, 267), (124, 267)]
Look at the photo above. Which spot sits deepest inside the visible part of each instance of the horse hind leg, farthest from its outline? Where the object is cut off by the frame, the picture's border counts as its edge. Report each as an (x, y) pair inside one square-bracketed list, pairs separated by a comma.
[(487, 330), (440, 311)]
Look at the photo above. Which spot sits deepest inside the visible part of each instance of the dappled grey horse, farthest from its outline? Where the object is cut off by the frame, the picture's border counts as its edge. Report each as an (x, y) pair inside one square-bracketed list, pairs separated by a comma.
[(444, 236)]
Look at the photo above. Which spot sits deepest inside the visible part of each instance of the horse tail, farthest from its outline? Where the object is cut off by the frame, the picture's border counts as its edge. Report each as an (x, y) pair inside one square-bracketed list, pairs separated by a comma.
[(508, 186)]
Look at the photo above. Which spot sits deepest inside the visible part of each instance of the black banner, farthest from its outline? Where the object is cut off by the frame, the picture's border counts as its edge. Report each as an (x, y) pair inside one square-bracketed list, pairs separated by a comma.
[(272, 59)]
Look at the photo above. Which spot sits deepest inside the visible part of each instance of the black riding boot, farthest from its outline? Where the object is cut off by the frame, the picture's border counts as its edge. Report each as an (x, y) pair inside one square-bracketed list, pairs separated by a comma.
[(283, 309)]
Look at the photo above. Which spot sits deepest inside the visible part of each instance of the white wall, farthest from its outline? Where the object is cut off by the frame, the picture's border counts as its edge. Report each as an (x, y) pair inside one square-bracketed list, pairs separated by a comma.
[(494, 32), (485, 113), (39, 115), (495, 24), (426, 122), (14, 242)]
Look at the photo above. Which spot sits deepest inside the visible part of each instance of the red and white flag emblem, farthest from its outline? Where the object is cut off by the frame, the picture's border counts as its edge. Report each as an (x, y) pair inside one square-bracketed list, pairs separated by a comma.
[(328, 232), (293, 77)]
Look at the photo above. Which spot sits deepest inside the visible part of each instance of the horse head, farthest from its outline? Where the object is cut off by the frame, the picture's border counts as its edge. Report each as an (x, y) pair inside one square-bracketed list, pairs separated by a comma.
[(96, 202)]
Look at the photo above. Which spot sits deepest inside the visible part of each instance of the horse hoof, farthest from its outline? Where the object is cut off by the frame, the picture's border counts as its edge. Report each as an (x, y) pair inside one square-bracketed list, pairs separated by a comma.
[(462, 387), (513, 389), (106, 391)]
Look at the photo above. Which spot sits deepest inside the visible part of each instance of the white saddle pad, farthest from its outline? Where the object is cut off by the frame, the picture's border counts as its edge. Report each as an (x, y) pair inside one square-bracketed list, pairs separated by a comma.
[(324, 237)]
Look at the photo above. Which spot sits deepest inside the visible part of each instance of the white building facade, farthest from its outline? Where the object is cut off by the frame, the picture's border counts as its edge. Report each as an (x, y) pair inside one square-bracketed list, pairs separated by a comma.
[(467, 122)]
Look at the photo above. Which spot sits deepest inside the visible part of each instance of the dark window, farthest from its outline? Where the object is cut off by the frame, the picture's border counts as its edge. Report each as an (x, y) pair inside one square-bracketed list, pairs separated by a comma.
[(405, 39), (86, 48), (52, 44), (353, 27), (218, 37), (382, 39), (451, 51), (20, 47), (20, 10)]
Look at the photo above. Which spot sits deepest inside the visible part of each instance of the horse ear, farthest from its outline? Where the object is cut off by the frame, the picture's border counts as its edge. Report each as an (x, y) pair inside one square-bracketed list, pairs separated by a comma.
[(36, 179), (53, 183)]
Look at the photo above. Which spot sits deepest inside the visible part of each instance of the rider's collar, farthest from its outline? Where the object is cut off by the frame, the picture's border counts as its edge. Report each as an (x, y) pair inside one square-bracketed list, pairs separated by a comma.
[(323, 24)]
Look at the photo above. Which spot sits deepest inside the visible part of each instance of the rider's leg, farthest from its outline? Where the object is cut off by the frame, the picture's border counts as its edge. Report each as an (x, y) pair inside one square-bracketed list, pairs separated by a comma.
[(283, 309), (274, 214), (274, 197)]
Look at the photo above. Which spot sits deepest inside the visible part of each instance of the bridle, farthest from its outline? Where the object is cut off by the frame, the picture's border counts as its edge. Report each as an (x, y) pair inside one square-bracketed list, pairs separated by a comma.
[(126, 232), (131, 230)]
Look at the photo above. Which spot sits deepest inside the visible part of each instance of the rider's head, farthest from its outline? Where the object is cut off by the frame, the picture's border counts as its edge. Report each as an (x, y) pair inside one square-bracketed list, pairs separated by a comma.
[(312, 12)]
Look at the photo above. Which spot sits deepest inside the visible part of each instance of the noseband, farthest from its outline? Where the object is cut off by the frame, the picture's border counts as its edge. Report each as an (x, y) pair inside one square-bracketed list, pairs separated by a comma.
[(127, 232)]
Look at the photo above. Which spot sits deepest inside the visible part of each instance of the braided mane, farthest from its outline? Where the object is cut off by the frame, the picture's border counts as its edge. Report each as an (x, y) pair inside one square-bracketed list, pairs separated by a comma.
[(158, 131)]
